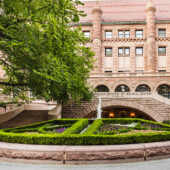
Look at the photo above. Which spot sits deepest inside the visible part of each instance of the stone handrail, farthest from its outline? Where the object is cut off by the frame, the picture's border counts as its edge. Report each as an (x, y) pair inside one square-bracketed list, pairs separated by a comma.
[(4, 117), (153, 95)]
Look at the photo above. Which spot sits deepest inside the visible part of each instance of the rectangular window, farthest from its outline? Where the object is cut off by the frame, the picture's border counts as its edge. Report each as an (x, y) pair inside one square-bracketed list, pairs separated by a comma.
[(162, 33), (162, 71), (120, 51), (162, 50), (108, 52), (120, 34), (123, 51), (86, 34), (127, 34), (139, 71), (108, 34), (127, 51), (124, 71), (139, 50), (108, 73), (139, 33), (124, 34)]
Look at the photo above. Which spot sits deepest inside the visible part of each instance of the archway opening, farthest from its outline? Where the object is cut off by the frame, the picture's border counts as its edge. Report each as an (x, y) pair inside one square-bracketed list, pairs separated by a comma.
[(143, 88), (102, 88), (164, 90), (121, 112), (122, 88)]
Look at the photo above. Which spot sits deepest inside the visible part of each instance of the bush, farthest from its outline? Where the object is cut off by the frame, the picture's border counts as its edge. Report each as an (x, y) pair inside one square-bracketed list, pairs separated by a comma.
[(71, 137), (94, 127)]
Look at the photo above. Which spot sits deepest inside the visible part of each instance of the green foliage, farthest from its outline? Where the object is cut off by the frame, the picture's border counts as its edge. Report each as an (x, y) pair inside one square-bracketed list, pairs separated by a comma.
[(77, 127), (94, 127), (41, 53), (71, 137)]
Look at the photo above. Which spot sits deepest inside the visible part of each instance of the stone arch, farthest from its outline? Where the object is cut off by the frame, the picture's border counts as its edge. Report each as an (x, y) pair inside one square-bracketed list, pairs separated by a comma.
[(160, 83), (105, 83), (127, 83), (122, 88), (92, 107), (144, 82), (143, 88), (102, 88), (164, 90)]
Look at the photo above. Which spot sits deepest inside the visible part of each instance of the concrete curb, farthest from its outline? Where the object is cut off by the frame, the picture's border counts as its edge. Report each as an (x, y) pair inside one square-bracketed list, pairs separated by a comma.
[(86, 154)]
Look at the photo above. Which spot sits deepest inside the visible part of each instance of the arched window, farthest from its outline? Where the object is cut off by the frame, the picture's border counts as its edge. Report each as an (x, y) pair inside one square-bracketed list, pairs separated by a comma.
[(164, 90), (122, 88), (102, 88), (143, 88)]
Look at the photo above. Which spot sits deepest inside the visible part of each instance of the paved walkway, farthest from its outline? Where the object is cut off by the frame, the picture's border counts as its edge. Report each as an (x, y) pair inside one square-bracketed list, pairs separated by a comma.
[(150, 165)]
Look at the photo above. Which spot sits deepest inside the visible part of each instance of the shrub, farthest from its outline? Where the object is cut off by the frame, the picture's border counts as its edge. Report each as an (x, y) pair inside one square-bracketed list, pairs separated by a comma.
[(71, 137)]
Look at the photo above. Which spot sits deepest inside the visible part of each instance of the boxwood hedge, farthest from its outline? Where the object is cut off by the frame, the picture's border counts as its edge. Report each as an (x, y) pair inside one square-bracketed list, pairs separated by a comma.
[(72, 136)]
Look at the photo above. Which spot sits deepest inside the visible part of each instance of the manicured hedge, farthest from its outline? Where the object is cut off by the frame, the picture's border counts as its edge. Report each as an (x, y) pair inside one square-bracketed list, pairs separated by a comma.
[(94, 127), (52, 122), (74, 139), (71, 137)]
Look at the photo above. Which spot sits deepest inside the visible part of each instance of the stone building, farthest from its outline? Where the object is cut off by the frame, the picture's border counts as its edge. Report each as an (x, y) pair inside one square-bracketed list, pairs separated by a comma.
[(131, 41)]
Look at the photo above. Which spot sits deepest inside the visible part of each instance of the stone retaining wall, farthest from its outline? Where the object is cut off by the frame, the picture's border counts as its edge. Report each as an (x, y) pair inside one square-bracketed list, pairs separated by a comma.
[(83, 154)]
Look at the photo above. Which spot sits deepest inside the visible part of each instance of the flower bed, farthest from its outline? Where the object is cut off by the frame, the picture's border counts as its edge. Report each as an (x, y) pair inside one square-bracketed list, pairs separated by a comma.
[(101, 131)]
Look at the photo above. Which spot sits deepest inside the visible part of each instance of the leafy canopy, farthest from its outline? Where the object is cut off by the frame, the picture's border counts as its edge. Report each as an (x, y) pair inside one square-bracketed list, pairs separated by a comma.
[(41, 52)]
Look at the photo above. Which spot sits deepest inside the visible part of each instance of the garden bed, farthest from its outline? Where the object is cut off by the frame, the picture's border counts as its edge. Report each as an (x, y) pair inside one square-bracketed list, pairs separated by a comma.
[(88, 132)]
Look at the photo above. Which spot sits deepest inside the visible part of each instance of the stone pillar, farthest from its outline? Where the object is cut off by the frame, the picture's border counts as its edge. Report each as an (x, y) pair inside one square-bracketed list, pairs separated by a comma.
[(151, 34), (97, 36)]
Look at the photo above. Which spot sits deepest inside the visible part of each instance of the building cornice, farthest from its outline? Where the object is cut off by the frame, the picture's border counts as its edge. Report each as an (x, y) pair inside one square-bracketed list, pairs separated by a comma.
[(119, 23)]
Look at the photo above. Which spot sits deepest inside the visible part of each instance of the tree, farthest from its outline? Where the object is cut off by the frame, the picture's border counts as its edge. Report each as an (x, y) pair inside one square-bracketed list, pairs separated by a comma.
[(41, 53)]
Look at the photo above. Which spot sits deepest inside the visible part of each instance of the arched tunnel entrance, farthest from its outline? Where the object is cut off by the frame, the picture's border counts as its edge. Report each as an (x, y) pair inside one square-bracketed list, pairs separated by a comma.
[(120, 112)]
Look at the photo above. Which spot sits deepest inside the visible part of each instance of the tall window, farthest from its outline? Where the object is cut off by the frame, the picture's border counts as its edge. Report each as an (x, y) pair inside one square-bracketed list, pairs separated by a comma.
[(162, 50), (86, 34), (124, 59), (162, 63), (123, 51), (162, 33), (123, 33), (108, 52), (139, 33), (139, 50), (139, 58), (108, 34)]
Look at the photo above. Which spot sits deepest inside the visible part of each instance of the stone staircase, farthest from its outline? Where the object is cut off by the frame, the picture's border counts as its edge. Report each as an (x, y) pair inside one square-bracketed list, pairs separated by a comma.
[(157, 109)]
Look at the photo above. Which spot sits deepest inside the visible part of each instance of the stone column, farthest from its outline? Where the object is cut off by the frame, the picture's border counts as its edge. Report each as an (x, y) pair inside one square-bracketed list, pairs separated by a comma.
[(97, 37), (151, 65)]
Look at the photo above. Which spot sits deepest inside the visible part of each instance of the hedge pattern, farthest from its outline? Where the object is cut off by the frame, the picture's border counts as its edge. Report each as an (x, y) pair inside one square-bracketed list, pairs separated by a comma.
[(72, 136)]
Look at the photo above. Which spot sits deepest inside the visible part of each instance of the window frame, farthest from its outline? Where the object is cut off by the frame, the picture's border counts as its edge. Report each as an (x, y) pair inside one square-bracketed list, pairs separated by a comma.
[(136, 51), (108, 31), (160, 34), (138, 35), (124, 53), (86, 32), (108, 55), (123, 34), (161, 54)]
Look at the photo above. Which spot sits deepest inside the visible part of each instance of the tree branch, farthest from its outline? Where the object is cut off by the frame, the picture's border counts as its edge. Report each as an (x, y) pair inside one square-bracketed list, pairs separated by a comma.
[(12, 84)]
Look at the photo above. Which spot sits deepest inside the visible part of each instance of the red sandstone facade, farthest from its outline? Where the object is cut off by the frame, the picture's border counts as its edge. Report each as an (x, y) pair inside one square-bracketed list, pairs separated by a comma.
[(152, 66), (131, 41)]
